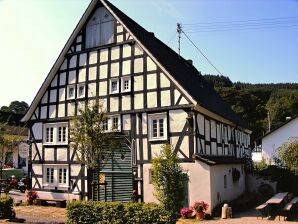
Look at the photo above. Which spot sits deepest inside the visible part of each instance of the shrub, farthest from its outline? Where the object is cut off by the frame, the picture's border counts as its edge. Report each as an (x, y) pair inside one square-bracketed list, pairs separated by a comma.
[(81, 212), (6, 211)]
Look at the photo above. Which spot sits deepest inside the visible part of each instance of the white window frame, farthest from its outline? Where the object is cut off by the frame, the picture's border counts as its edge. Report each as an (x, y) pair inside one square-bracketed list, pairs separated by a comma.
[(74, 92), (123, 79), (55, 182), (111, 123), (78, 90), (56, 127), (117, 90), (158, 117)]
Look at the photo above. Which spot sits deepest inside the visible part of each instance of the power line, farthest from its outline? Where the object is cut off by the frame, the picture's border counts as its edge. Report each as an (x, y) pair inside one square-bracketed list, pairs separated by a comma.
[(241, 21), (199, 50)]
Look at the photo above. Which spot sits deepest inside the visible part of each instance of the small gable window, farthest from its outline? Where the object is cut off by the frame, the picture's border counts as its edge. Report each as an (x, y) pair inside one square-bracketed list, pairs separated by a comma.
[(100, 29), (114, 85), (81, 91), (125, 84), (70, 92)]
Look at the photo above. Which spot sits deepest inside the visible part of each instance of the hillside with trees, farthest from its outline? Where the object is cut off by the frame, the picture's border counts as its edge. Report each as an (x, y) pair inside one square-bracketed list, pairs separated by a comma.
[(259, 103)]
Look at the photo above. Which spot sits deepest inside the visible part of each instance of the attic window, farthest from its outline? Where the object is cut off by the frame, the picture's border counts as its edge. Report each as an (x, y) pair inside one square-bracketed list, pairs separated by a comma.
[(100, 29)]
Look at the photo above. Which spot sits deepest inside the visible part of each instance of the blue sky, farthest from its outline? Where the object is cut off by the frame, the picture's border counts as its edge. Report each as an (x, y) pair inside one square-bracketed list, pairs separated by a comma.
[(33, 32)]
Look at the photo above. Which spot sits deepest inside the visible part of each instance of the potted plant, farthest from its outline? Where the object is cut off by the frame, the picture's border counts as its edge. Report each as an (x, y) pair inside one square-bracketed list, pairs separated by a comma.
[(186, 213), (31, 196), (200, 208)]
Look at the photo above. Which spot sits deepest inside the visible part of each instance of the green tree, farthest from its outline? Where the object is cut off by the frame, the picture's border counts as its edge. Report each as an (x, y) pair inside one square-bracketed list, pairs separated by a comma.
[(16, 107), (288, 154), (89, 136), (168, 180)]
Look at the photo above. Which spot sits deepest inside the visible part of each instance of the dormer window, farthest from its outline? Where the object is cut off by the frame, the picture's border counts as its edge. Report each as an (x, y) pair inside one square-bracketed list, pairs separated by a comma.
[(100, 28)]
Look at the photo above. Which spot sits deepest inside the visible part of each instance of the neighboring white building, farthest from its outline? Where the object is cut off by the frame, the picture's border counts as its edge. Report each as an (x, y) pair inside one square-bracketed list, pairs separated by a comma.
[(275, 138), (153, 95)]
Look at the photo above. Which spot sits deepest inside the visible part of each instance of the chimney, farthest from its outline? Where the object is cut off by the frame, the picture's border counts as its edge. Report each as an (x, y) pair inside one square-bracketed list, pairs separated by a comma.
[(190, 61), (151, 33)]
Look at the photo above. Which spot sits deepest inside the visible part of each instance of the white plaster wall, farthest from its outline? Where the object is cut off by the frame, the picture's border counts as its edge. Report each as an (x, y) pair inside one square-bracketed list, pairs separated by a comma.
[(43, 112), (103, 71), (62, 94), (52, 111), (37, 130), (177, 120), (62, 154), (49, 154), (115, 69), (37, 169), (139, 101), (92, 90), (233, 190), (126, 122), (45, 98), (103, 88), (72, 77), (126, 50), (93, 57), (83, 59), (152, 99), (73, 62), (62, 78), (52, 195), (138, 50), (199, 180), (104, 55), (126, 67), (151, 81), (164, 81), (82, 75), (115, 52), (274, 140), (138, 83), (114, 104), (126, 103), (144, 123), (138, 65), (150, 64), (61, 110), (165, 98), (92, 73)]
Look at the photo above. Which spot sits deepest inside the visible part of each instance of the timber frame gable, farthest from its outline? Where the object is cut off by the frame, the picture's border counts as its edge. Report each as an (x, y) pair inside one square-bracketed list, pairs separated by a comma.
[(153, 94)]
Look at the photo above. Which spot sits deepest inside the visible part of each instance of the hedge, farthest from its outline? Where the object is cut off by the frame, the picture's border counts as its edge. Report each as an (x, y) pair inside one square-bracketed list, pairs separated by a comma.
[(6, 208), (85, 212)]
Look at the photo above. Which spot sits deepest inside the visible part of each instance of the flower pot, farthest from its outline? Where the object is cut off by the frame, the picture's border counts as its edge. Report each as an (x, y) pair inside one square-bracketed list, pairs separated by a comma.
[(200, 215), (30, 201)]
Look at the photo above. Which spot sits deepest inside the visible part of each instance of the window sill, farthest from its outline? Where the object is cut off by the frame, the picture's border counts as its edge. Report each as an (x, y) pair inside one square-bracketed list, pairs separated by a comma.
[(157, 139)]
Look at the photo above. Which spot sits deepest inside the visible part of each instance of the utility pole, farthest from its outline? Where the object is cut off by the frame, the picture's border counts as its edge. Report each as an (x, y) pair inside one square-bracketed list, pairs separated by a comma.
[(179, 30)]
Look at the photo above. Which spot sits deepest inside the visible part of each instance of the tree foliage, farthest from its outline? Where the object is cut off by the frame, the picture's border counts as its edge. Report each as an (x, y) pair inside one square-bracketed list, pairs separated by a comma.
[(168, 179), (288, 154), (253, 102), (89, 137), (16, 107)]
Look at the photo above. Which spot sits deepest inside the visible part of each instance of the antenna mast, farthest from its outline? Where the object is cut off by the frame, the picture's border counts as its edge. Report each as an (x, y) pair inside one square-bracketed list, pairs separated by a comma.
[(179, 30)]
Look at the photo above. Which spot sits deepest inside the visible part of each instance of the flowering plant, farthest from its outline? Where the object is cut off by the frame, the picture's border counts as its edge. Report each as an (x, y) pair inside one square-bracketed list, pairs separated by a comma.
[(186, 212), (200, 206), (31, 194)]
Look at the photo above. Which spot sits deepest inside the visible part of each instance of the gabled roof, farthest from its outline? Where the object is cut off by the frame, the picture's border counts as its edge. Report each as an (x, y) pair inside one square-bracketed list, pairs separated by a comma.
[(275, 129), (176, 66)]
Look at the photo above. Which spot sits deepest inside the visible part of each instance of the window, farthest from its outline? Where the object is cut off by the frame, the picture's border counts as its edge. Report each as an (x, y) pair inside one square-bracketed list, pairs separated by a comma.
[(49, 135), (55, 133), (70, 92), (125, 84), (114, 85), (112, 123), (56, 175), (100, 29), (81, 91), (115, 122), (158, 126)]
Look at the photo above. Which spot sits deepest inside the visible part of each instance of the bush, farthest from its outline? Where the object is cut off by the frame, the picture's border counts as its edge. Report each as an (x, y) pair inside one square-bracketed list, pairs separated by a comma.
[(81, 212), (6, 211)]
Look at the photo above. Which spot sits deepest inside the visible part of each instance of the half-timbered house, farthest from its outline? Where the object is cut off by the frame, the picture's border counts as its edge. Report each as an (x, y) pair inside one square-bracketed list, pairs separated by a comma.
[(153, 95)]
